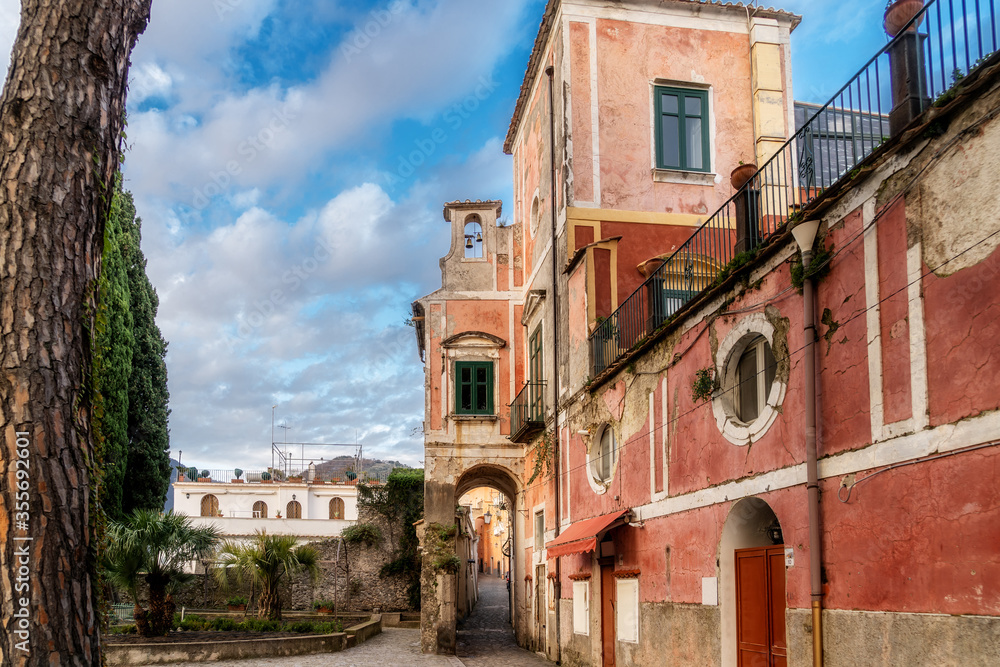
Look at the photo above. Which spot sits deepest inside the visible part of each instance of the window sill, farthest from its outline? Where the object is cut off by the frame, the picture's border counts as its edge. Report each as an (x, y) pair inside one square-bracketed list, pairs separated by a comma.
[(474, 418), (687, 177)]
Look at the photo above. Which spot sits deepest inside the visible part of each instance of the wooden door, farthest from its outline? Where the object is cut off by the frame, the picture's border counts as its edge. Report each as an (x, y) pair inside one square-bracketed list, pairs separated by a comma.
[(760, 607), (541, 607), (608, 615)]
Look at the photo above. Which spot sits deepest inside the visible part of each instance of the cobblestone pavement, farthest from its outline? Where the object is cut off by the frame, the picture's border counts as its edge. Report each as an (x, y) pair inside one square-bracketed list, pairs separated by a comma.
[(395, 647), (486, 638)]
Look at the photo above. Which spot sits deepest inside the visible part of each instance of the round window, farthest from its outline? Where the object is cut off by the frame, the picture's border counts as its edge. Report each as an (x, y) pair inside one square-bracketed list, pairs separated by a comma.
[(750, 388), (535, 214), (603, 458)]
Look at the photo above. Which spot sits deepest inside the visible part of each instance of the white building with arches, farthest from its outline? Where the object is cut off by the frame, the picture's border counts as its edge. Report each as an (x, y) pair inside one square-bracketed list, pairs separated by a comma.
[(306, 509)]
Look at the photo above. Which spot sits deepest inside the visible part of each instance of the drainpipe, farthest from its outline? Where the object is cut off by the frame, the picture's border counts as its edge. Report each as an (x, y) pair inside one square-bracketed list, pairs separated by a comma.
[(805, 235), (557, 583)]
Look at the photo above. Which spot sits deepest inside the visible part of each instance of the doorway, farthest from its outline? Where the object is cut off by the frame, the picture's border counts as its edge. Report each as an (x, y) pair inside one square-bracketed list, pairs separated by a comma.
[(608, 613), (760, 607), (541, 607)]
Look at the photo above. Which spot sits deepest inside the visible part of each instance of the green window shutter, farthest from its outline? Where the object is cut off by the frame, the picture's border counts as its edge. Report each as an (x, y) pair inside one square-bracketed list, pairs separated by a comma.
[(473, 387), (682, 128)]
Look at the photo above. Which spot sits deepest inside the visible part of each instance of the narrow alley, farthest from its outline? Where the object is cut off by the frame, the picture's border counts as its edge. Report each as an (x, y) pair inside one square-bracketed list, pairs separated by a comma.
[(486, 638)]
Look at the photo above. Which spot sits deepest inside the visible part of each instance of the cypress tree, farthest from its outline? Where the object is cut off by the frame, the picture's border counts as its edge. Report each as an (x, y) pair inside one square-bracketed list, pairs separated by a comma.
[(113, 359), (147, 471)]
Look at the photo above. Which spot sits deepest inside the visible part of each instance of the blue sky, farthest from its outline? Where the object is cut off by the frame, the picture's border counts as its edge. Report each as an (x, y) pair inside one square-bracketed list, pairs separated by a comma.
[(289, 159)]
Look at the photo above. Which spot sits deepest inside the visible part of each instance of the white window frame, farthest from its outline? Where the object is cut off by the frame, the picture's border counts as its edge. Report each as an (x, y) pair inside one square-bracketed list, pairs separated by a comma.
[(627, 611), (728, 356), (581, 607), (598, 482), (538, 536)]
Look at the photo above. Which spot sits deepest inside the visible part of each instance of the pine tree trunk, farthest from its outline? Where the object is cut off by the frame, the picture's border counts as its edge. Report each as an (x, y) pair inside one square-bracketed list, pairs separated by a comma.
[(61, 117)]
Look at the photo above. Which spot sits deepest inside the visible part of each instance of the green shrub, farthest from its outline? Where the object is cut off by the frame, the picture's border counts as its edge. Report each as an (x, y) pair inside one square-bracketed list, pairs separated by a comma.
[(327, 627), (300, 626), (362, 532), (448, 563), (190, 622), (323, 604), (223, 624), (123, 630), (195, 624), (236, 601), (258, 625)]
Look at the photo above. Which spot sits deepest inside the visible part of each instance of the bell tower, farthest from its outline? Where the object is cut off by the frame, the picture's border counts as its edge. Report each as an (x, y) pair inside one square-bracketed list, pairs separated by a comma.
[(472, 261)]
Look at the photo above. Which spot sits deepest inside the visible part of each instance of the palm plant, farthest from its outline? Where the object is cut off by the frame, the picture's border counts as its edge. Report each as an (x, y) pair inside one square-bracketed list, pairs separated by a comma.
[(262, 562), (155, 547)]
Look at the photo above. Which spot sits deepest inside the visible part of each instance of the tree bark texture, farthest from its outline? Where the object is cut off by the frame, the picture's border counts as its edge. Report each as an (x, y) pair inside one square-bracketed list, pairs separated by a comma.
[(61, 117)]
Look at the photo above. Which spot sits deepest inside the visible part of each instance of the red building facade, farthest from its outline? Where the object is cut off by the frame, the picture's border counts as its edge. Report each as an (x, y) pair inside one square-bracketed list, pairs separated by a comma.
[(649, 414)]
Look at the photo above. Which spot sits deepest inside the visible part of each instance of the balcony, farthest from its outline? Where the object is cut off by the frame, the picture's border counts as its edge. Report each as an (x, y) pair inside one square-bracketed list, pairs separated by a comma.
[(921, 66), (527, 412)]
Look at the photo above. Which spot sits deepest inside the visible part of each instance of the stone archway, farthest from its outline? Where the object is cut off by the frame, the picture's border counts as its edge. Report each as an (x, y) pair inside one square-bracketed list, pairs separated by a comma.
[(439, 589)]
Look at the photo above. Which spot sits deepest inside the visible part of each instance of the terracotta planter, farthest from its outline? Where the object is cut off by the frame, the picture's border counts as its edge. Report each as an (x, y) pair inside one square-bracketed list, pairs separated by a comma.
[(267, 481), (742, 174), (324, 610), (294, 480), (204, 479), (899, 13), (236, 481), (180, 478), (237, 607)]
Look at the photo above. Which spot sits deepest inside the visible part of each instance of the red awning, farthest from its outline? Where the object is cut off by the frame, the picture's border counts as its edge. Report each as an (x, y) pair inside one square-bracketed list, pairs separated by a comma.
[(581, 536)]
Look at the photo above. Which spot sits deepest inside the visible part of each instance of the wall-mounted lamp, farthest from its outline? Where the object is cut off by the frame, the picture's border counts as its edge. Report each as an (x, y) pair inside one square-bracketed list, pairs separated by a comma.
[(188, 496), (805, 236), (293, 496), (487, 517)]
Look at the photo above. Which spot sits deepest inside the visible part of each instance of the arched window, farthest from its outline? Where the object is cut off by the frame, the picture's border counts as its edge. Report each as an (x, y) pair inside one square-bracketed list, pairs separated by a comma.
[(260, 510), (336, 508), (473, 238), (294, 510), (209, 505), (606, 455)]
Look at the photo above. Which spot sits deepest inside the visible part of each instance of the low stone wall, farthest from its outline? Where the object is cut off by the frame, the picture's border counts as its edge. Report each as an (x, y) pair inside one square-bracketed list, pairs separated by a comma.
[(358, 588), (365, 631), (160, 654)]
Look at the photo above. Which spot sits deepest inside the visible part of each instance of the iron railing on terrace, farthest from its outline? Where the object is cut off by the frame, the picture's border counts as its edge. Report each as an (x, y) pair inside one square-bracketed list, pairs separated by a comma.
[(259, 476), (920, 66), (527, 412)]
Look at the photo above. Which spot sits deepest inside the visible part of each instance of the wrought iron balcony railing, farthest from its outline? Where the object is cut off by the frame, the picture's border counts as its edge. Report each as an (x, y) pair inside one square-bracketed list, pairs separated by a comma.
[(527, 412), (921, 66)]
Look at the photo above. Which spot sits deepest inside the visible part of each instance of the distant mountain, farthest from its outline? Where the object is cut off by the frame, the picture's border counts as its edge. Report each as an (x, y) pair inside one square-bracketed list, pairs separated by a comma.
[(339, 467)]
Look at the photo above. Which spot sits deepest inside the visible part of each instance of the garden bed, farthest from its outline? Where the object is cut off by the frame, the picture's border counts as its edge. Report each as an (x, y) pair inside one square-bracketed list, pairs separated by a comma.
[(208, 645)]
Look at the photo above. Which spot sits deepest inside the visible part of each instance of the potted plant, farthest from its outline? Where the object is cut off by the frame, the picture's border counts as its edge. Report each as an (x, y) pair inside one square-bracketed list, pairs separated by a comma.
[(237, 603), (237, 474), (192, 474), (742, 174), (265, 478), (297, 479), (898, 13), (277, 515), (351, 475), (323, 606)]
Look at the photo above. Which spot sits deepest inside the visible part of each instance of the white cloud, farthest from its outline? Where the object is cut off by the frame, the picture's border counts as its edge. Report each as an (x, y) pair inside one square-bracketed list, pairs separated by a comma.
[(10, 19)]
